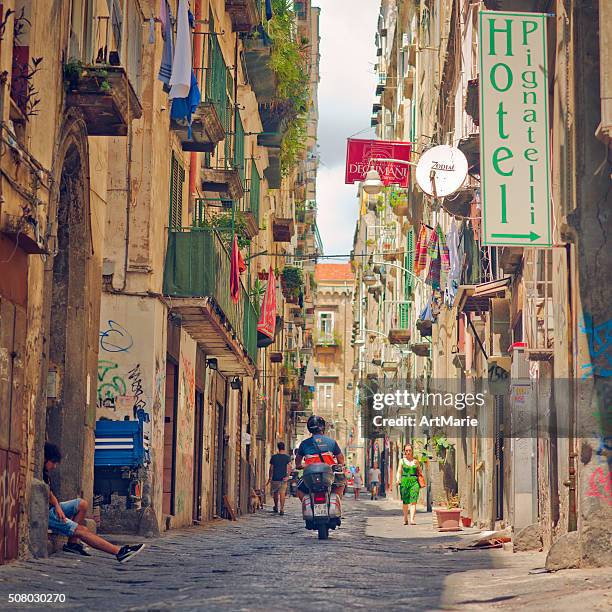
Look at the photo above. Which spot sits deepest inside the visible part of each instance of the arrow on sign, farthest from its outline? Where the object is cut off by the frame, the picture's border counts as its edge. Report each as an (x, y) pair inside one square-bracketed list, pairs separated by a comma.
[(531, 236)]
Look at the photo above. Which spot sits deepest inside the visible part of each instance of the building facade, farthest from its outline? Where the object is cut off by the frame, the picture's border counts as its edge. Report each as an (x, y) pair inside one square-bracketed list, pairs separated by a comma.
[(528, 323), (141, 143)]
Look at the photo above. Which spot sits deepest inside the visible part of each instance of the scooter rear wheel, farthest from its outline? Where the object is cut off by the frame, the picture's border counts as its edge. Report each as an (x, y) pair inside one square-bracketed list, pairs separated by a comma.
[(323, 532)]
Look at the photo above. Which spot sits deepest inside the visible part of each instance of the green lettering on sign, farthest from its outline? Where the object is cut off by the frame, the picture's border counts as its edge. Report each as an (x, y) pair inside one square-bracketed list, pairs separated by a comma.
[(509, 77), (506, 30)]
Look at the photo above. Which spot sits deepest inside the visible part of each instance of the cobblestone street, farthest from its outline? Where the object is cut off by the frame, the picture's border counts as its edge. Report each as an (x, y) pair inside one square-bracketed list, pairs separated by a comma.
[(268, 562)]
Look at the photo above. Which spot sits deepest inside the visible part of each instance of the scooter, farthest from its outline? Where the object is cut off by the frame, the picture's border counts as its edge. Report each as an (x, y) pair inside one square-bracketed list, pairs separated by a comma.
[(321, 507)]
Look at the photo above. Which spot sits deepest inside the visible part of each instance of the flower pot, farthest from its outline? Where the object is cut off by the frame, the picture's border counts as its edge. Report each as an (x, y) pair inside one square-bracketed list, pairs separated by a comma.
[(448, 519), (466, 521)]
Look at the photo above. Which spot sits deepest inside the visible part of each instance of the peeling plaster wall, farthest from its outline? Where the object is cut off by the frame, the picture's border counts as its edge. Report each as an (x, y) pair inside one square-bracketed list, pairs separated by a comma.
[(131, 376)]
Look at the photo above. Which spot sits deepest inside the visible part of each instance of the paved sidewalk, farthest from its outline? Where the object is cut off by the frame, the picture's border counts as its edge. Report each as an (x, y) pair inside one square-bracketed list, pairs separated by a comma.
[(268, 562)]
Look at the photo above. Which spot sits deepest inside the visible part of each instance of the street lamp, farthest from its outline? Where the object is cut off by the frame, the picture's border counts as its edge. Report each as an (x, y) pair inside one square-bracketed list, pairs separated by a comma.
[(372, 184)]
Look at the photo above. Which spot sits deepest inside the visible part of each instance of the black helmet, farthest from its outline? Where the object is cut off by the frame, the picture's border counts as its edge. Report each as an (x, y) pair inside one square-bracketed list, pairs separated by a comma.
[(316, 424)]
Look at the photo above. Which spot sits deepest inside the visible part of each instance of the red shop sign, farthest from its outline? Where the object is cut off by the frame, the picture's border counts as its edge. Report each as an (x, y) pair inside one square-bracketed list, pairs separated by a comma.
[(361, 156)]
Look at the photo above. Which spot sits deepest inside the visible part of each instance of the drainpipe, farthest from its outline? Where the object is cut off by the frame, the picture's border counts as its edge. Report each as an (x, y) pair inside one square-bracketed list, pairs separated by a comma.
[(197, 63)]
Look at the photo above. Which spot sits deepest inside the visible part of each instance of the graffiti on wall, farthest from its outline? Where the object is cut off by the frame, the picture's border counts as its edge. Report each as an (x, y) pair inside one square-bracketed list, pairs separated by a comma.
[(110, 384), (9, 504), (599, 338), (139, 406), (600, 485), (120, 392), (115, 339)]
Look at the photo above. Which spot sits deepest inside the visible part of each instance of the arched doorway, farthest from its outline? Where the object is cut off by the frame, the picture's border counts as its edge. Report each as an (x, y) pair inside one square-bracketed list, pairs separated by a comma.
[(74, 312)]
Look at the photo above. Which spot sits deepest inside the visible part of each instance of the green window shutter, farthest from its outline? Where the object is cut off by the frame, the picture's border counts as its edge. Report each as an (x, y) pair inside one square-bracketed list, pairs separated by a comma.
[(177, 178), (404, 315), (239, 163), (409, 264), (255, 190)]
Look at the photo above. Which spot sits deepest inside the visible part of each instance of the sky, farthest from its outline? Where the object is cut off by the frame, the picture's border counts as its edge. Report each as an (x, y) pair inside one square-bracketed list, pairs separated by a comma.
[(346, 94)]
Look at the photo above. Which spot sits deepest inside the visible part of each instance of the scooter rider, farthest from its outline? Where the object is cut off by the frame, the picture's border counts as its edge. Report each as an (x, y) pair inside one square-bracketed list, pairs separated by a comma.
[(319, 448)]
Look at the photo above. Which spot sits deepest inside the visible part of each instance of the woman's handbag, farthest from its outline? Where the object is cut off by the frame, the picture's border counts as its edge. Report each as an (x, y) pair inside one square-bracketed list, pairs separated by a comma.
[(421, 478)]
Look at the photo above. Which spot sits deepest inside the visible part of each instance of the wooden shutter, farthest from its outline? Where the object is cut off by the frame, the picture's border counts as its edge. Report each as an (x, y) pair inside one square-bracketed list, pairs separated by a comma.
[(177, 178), (409, 263)]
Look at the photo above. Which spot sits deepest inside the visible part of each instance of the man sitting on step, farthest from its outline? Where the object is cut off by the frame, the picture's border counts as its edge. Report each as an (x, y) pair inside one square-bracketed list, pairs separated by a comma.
[(67, 518)]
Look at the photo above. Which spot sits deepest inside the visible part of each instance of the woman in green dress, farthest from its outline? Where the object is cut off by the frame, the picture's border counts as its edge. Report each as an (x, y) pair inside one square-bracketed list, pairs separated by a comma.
[(408, 483)]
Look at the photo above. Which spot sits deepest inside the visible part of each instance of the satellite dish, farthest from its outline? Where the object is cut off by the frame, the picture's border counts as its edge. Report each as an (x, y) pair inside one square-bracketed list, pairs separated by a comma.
[(441, 171)]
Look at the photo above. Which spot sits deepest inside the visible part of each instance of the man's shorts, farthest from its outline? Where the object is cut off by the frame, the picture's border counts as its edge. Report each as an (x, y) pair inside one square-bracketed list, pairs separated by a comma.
[(279, 486), (70, 509), (373, 484)]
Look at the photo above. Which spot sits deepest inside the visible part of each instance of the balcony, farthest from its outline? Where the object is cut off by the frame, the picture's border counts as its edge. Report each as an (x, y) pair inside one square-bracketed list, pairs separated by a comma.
[(249, 204), (206, 129), (223, 169), (196, 276), (261, 77), (398, 321), (104, 95), (328, 341), (244, 14)]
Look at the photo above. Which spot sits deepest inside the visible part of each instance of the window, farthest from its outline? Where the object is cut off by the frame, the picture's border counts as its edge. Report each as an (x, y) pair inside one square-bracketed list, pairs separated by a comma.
[(134, 46), (177, 178), (325, 397), (80, 31), (300, 9), (326, 325)]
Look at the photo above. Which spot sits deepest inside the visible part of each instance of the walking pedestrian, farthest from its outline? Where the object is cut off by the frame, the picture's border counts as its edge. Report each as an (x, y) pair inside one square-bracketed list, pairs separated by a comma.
[(279, 477), (67, 518), (374, 478), (357, 483), (407, 480)]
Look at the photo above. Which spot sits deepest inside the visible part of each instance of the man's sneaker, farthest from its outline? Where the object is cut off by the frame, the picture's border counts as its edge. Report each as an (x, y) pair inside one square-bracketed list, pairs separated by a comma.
[(128, 552), (282, 513), (76, 548), (275, 509)]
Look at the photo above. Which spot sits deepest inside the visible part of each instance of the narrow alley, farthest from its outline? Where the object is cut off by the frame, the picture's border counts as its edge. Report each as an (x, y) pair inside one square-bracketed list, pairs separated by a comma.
[(268, 562)]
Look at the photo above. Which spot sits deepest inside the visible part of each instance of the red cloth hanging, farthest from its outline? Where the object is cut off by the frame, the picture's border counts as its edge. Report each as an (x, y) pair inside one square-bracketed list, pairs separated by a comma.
[(267, 318), (237, 267)]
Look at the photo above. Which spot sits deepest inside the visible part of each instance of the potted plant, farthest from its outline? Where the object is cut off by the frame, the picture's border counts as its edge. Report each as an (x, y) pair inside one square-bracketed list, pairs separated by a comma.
[(448, 518), (399, 202), (292, 282)]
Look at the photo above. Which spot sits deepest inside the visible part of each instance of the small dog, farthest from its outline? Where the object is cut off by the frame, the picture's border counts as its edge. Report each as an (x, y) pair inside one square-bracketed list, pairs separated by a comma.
[(256, 500)]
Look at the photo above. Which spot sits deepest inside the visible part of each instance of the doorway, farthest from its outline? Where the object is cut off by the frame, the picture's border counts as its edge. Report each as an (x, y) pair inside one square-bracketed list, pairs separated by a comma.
[(498, 453), (220, 447), (71, 319), (198, 453), (171, 408)]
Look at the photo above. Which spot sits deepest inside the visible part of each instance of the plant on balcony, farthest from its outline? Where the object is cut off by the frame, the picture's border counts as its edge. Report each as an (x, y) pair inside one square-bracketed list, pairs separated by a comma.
[(222, 223), (257, 293), (307, 397), (292, 282), (74, 71), (289, 61), (398, 200), (313, 282)]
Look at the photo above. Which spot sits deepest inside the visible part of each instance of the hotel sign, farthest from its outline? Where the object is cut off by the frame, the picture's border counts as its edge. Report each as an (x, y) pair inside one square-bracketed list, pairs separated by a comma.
[(514, 148)]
